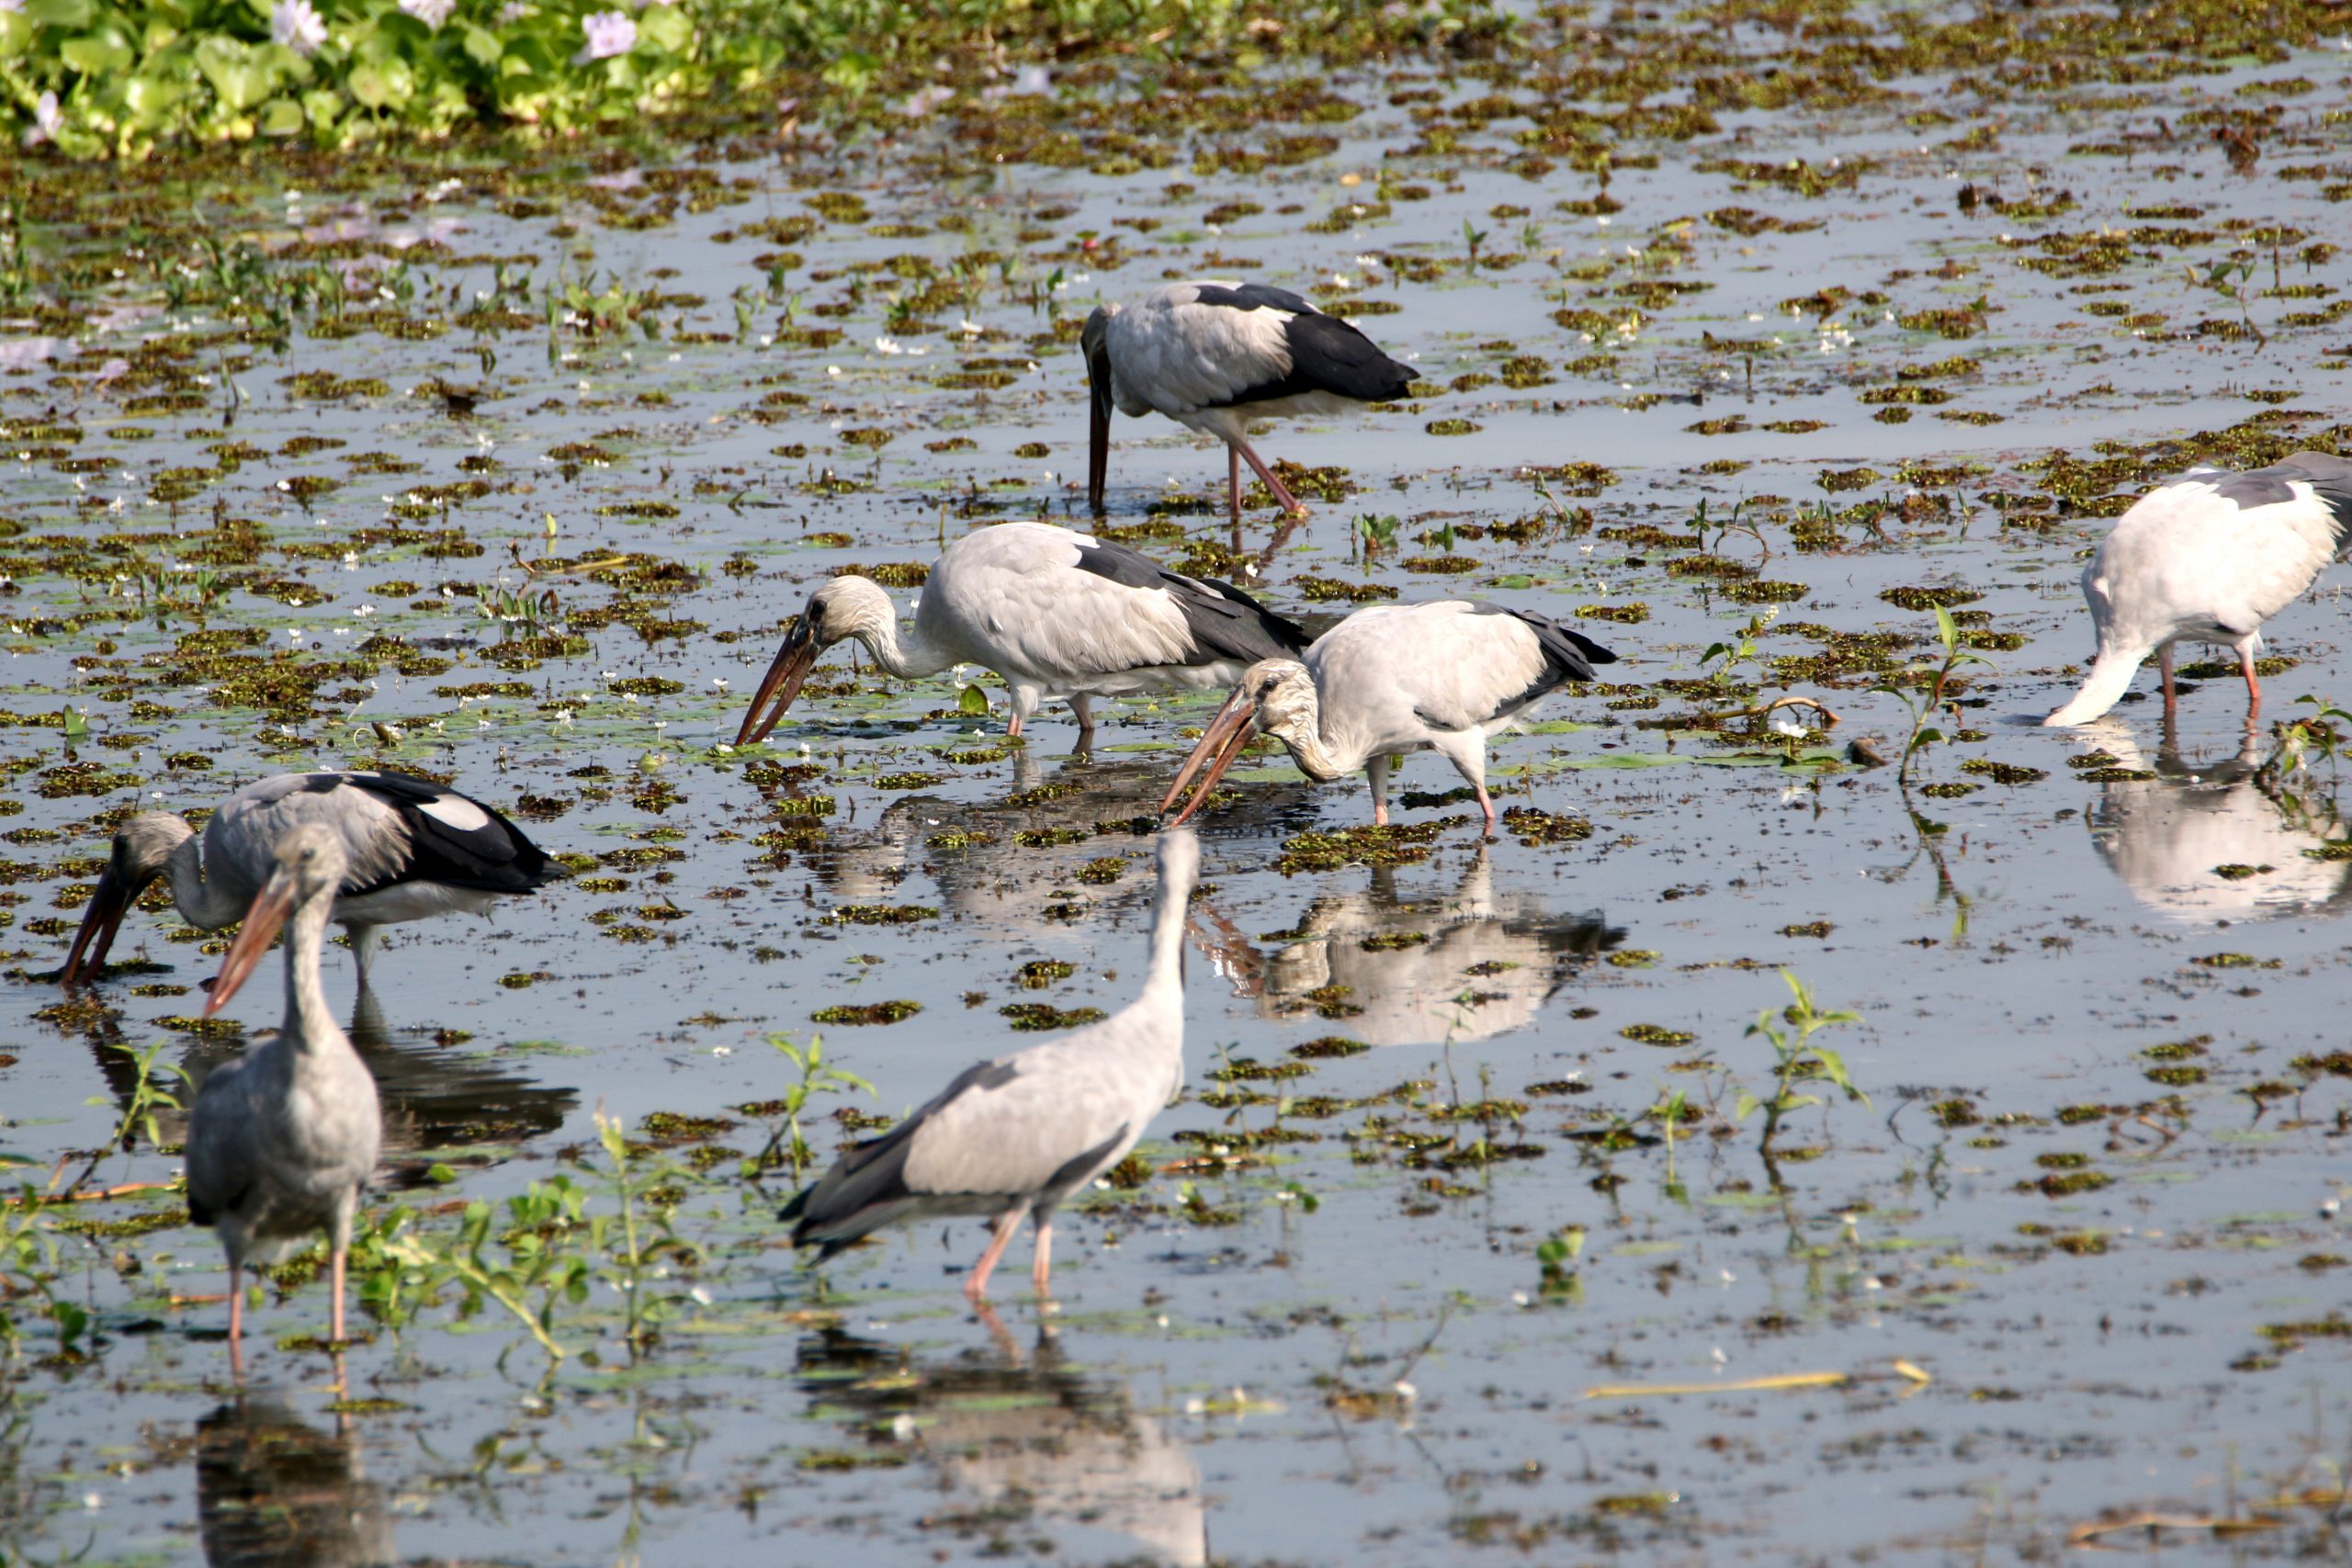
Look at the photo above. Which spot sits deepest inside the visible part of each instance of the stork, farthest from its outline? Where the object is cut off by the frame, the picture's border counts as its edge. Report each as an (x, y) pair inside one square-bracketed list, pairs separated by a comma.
[(282, 1140), (1216, 356), (1014, 1137), (1391, 679), (1058, 615), (2207, 557), (413, 848)]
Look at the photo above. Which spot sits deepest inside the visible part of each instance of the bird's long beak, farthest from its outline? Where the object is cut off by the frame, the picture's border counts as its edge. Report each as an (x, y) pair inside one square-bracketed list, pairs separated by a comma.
[(1228, 735), (263, 922), (783, 683), (109, 901), (1098, 429)]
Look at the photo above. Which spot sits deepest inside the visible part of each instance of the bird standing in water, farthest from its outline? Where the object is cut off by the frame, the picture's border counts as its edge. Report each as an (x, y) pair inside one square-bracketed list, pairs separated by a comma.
[(1393, 679), (1011, 1138), (2208, 558), (415, 849), (283, 1139), (1216, 356), (1058, 615)]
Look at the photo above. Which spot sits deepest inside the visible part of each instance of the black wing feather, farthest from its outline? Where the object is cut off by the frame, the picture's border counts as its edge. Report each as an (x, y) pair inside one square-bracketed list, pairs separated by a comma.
[(1224, 622), (867, 1187), (1253, 297), (1569, 655), (1326, 355), (495, 857)]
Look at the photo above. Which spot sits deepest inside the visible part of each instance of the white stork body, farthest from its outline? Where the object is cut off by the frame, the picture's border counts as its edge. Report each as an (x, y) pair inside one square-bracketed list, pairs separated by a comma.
[(2208, 558), (1014, 1137), (416, 849), (1393, 679), (1060, 615), (283, 1139), (1214, 356)]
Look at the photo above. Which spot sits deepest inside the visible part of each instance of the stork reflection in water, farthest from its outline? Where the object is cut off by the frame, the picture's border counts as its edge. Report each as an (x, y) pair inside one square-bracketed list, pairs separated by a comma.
[(1403, 966), (1003, 1429), (2216, 841)]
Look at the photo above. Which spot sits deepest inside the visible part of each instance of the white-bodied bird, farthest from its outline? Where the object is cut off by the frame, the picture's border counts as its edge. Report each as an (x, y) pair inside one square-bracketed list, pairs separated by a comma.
[(1012, 1138), (283, 1139), (414, 849), (1216, 356), (1058, 615), (1393, 679), (2208, 558)]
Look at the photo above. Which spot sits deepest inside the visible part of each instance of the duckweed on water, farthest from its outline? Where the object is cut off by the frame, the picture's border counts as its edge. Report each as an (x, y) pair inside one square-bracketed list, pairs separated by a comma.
[(867, 1013), (1397, 844)]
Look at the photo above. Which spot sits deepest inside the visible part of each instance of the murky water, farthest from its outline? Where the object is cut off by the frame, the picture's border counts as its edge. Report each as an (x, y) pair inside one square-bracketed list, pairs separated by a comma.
[(1417, 1253)]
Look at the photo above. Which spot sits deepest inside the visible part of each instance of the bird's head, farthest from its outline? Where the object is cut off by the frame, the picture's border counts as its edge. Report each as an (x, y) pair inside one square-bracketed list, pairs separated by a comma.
[(142, 848), (1094, 343), (1281, 695), (311, 864), (846, 607), (1276, 697)]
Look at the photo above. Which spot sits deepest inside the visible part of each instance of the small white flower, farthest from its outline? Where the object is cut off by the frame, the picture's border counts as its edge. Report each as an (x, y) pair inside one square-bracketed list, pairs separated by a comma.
[(718, 682), (297, 24), (609, 33), (48, 118)]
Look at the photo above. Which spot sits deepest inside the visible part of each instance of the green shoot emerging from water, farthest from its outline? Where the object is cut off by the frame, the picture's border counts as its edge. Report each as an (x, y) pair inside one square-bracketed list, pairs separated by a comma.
[(1924, 705), (817, 1076), (1797, 1062)]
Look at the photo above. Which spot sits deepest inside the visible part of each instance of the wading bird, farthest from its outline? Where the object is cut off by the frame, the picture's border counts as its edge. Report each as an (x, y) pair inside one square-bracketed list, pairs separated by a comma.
[(413, 848), (1058, 615), (282, 1140), (1440, 676), (2208, 558), (1216, 356), (1014, 1137)]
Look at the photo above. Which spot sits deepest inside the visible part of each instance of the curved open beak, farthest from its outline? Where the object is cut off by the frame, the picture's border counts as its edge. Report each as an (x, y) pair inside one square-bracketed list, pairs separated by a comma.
[(109, 902), (1098, 429), (262, 921), (782, 683), (1228, 734)]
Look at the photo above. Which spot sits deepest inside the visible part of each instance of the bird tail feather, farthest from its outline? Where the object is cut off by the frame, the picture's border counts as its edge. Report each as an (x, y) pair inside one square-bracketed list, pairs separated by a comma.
[(2110, 678)]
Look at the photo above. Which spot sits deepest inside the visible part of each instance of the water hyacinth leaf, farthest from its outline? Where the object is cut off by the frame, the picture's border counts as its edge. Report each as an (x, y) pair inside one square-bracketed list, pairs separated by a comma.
[(97, 54), (58, 12), (972, 700), (241, 77), (665, 27)]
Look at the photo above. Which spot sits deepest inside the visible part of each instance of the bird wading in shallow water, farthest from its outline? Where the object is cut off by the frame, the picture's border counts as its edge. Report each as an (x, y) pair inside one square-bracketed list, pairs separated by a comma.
[(2208, 558), (1014, 1137), (1216, 356), (414, 849), (1440, 676), (1058, 615), (282, 1140)]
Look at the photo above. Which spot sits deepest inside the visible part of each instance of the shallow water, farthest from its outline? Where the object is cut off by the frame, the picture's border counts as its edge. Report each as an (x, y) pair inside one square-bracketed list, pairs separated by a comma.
[(1329, 1328)]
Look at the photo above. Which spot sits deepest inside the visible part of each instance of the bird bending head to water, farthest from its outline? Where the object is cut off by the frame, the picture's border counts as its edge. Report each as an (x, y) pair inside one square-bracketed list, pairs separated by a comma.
[(1214, 356), (1014, 1137), (1393, 679), (2208, 558), (412, 848), (282, 1140), (1060, 615)]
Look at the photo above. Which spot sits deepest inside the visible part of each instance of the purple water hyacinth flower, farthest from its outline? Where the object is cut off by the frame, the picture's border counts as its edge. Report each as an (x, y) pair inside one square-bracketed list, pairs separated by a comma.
[(609, 33), (298, 24)]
